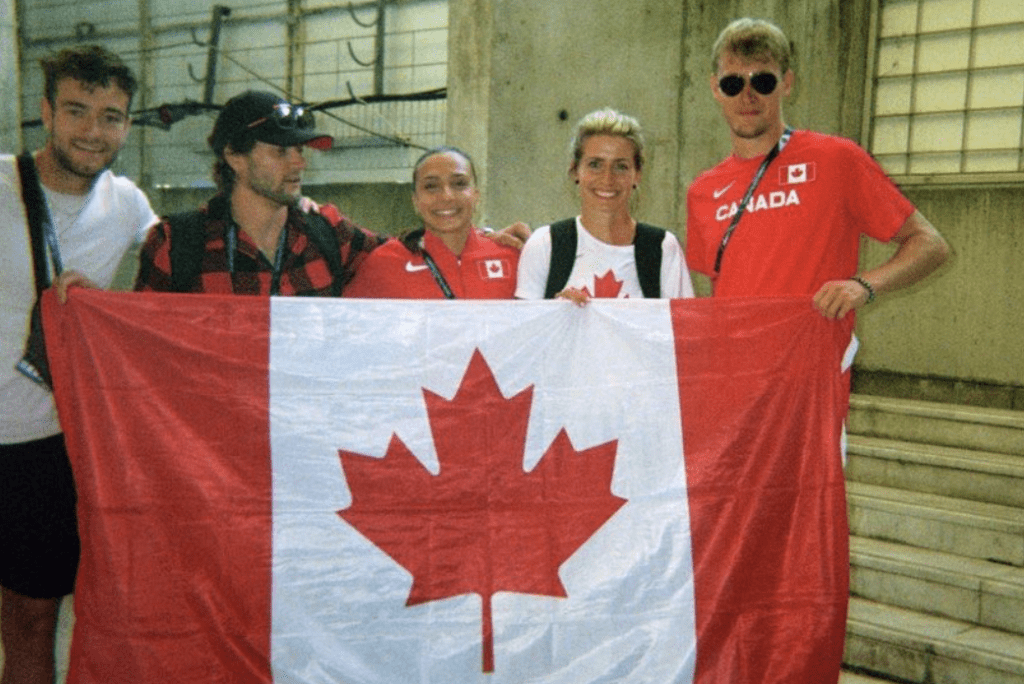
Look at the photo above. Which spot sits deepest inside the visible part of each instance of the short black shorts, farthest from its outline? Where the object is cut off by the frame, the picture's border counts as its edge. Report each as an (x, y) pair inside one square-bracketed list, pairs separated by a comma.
[(39, 544)]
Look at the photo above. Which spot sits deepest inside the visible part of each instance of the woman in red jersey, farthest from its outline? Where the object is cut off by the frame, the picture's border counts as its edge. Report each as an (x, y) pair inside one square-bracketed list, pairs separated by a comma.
[(448, 256)]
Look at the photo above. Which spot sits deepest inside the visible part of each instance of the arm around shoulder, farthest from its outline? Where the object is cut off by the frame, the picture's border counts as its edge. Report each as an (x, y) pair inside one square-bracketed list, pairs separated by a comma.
[(534, 263), (344, 226), (514, 235)]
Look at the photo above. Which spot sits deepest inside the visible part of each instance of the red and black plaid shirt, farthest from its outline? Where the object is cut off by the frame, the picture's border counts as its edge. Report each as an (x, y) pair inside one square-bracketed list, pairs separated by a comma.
[(304, 270)]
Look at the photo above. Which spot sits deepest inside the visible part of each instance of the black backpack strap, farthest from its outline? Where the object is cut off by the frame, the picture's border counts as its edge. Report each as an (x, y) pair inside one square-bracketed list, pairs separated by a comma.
[(187, 233), (647, 253), (563, 256), (322, 234), (35, 208), (34, 362)]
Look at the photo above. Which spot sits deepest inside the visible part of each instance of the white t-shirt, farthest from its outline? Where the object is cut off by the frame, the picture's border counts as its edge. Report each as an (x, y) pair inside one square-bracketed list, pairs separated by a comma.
[(603, 270), (94, 233)]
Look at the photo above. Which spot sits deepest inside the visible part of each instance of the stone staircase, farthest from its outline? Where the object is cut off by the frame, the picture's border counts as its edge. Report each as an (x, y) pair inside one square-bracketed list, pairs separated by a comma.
[(936, 500)]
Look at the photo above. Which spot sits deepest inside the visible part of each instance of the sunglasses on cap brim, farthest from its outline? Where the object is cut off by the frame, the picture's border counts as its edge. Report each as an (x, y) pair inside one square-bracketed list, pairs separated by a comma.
[(763, 82), (286, 117)]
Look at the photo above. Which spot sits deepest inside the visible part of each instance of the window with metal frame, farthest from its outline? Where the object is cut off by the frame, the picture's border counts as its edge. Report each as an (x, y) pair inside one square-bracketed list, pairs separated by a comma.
[(946, 101)]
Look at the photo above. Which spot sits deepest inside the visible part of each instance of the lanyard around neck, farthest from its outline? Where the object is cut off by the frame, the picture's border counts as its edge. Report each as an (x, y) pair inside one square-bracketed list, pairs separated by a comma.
[(414, 243), (750, 193), (231, 244), (436, 272)]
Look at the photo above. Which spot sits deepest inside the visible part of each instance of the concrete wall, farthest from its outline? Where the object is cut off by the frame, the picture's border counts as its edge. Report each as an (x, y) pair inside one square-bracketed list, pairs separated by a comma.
[(967, 323), (521, 74)]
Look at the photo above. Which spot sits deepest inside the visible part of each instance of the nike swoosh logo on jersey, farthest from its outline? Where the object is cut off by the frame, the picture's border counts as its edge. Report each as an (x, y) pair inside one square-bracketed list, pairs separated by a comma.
[(719, 193), (412, 268)]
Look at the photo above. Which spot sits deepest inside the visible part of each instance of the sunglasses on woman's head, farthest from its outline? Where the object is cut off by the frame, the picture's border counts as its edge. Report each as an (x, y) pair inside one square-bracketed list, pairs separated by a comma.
[(763, 82)]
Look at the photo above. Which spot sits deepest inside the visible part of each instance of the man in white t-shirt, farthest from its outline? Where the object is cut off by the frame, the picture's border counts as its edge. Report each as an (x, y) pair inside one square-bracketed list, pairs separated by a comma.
[(96, 217)]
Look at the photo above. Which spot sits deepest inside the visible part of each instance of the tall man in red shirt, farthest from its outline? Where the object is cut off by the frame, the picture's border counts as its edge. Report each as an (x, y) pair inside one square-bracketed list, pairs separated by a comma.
[(799, 231)]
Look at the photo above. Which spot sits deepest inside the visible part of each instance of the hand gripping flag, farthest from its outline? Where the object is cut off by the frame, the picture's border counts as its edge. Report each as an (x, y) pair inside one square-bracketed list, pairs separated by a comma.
[(303, 490)]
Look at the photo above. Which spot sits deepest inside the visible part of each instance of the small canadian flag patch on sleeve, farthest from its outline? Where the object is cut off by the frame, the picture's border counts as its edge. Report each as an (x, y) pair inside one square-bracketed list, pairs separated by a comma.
[(492, 269), (797, 173)]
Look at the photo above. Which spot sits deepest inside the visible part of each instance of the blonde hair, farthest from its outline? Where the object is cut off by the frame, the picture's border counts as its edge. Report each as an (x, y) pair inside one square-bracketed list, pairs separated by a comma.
[(607, 121), (753, 39)]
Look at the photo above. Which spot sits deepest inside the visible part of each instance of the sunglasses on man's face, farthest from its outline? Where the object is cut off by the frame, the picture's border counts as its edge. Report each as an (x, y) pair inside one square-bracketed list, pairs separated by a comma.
[(763, 82), (287, 116)]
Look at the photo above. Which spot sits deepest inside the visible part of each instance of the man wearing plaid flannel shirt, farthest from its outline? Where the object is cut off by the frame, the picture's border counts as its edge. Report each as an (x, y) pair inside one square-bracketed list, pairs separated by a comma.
[(256, 238)]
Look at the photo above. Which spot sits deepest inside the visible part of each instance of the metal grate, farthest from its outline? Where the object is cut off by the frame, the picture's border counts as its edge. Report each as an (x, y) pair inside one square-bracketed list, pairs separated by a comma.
[(377, 69)]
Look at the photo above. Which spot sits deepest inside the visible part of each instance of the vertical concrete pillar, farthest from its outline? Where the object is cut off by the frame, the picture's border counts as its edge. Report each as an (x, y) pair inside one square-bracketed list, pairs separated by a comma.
[(10, 79), (468, 121), (522, 73)]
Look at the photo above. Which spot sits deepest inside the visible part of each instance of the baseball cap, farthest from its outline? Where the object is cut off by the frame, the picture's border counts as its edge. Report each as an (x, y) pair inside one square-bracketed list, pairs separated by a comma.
[(268, 118)]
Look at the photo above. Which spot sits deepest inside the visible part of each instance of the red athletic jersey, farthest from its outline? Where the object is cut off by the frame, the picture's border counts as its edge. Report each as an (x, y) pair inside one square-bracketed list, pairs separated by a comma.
[(802, 227), (484, 270)]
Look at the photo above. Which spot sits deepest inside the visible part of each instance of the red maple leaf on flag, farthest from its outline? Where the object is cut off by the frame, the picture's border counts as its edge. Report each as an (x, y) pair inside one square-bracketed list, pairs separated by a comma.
[(607, 286), (482, 524)]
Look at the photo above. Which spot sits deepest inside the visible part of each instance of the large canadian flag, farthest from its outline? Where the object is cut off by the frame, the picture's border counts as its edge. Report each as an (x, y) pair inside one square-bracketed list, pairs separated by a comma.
[(355, 492)]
